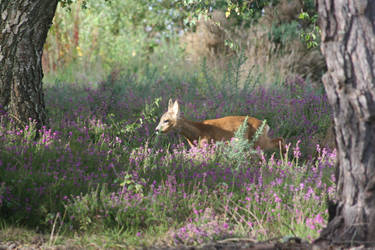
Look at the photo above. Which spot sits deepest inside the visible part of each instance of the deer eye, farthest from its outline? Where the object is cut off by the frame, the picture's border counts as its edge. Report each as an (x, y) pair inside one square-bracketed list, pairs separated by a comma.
[(166, 121)]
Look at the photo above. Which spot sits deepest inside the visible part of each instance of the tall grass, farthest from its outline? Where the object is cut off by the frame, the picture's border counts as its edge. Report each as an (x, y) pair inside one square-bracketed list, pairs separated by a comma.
[(99, 168)]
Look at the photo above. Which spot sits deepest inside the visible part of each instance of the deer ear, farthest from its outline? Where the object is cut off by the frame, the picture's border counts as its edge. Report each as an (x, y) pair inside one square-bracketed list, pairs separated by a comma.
[(170, 104), (176, 109)]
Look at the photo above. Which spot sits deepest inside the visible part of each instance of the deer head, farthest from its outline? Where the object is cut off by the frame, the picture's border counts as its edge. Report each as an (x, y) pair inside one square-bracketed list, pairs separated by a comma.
[(168, 120)]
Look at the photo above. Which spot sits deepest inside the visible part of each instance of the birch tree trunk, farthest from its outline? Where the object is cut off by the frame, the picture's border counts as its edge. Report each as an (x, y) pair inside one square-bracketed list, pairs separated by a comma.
[(24, 25), (348, 44)]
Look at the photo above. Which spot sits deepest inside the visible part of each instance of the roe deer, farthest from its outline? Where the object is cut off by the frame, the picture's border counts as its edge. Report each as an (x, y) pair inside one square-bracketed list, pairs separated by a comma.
[(221, 129)]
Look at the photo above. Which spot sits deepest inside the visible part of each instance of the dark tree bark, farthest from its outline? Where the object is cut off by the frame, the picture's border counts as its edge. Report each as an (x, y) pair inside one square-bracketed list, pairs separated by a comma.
[(24, 25), (348, 44)]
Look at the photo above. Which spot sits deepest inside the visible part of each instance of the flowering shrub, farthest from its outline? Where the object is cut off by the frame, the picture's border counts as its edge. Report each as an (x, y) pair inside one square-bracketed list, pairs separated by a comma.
[(205, 227)]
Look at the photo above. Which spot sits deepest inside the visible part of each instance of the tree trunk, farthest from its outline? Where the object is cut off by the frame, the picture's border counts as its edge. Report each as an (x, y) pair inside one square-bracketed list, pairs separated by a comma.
[(348, 44), (24, 25)]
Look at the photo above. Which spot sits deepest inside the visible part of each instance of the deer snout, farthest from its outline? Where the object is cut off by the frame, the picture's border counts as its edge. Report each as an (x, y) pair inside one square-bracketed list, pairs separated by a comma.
[(157, 129)]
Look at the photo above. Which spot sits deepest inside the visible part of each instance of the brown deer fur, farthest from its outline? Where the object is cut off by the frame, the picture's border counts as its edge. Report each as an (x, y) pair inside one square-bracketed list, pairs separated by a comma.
[(221, 129)]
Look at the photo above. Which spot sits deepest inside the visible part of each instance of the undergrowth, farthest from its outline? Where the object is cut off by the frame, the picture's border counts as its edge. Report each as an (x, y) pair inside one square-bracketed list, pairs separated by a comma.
[(98, 176), (100, 169)]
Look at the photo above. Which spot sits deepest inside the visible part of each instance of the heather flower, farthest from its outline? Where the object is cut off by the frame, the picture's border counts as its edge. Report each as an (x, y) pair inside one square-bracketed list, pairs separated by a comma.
[(296, 150), (86, 147), (206, 227), (319, 219)]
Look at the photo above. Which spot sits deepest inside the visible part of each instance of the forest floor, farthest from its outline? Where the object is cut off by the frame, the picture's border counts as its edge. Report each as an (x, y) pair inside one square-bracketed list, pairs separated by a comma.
[(227, 244)]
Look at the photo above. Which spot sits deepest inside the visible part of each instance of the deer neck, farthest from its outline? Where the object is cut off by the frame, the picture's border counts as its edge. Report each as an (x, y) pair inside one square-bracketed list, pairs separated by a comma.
[(189, 129)]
